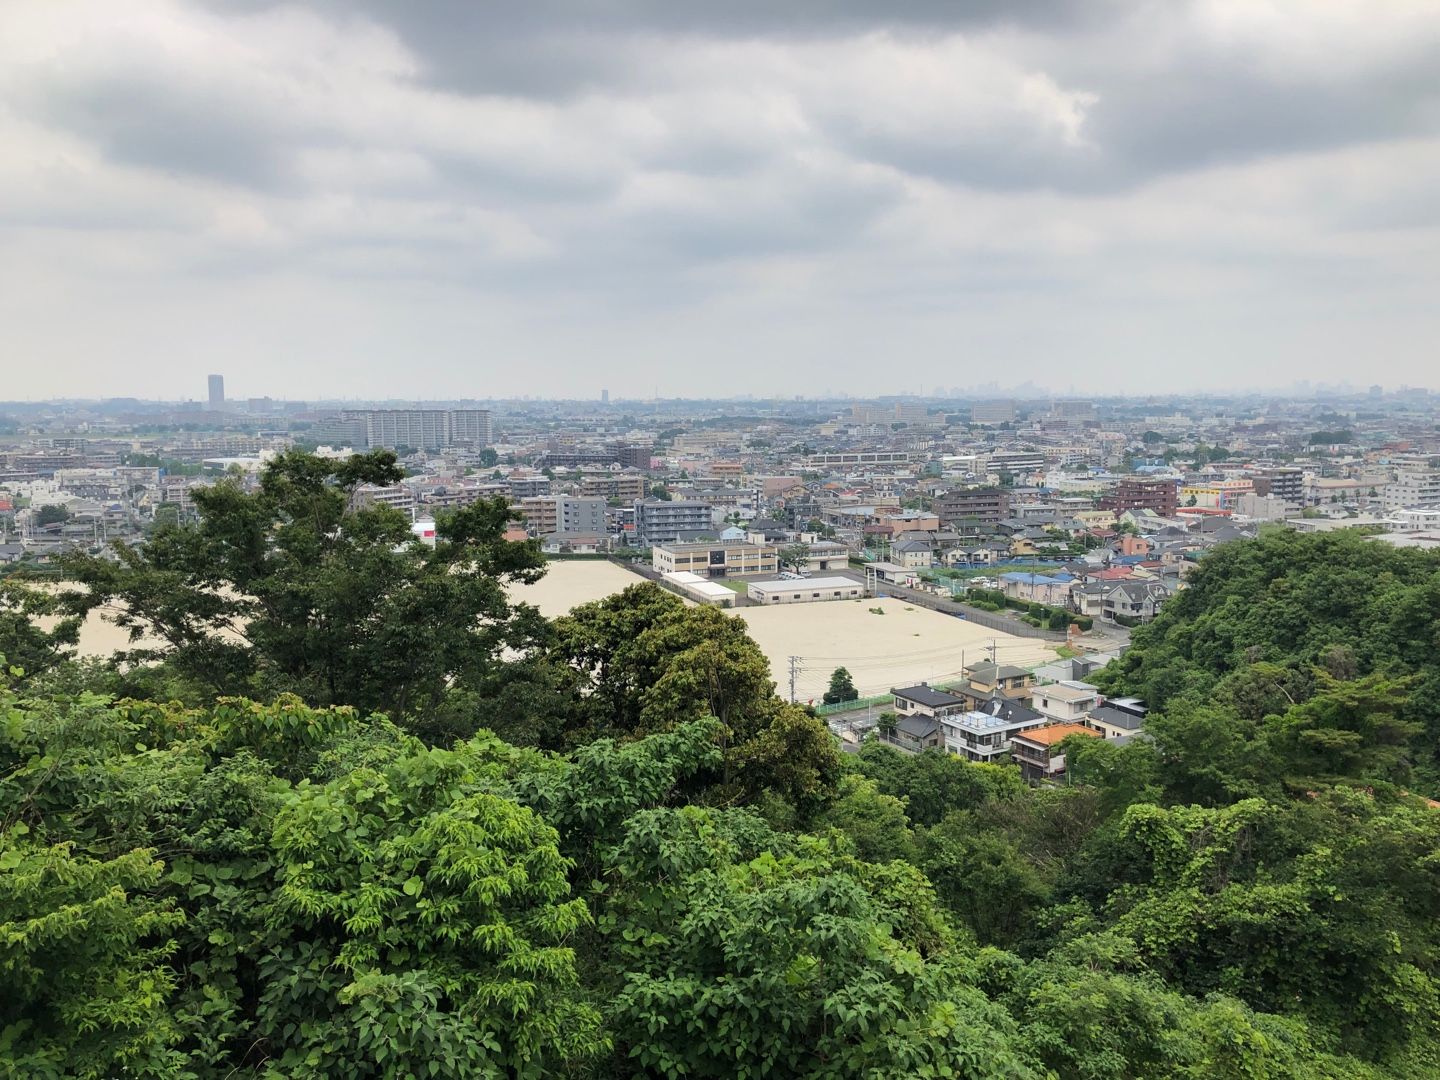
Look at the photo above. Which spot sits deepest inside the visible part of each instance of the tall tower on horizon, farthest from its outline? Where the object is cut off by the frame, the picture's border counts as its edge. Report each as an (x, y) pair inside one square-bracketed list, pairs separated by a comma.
[(604, 397), (217, 392)]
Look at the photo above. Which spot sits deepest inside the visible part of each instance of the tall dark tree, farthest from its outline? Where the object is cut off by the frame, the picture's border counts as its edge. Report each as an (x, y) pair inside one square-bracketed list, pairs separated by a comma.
[(842, 687), (298, 586)]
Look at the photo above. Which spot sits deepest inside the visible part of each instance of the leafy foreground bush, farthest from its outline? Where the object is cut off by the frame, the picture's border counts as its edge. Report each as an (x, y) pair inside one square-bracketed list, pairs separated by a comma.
[(284, 891)]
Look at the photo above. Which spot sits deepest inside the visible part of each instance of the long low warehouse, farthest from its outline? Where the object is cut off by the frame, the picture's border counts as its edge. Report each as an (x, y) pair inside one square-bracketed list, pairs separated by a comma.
[(699, 589), (805, 590)]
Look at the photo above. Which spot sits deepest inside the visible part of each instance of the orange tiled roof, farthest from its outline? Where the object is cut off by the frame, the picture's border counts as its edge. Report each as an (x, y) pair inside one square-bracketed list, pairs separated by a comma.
[(1049, 736)]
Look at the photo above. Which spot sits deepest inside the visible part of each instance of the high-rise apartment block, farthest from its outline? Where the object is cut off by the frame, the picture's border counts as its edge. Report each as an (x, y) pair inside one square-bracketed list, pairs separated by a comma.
[(217, 392), (422, 429), (992, 412)]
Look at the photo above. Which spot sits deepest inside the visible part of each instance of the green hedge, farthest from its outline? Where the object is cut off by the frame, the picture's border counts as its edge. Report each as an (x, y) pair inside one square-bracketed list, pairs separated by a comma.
[(1030, 612)]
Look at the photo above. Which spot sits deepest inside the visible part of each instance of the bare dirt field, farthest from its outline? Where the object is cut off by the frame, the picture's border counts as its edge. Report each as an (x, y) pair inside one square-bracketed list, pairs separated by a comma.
[(569, 583), (904, 646)]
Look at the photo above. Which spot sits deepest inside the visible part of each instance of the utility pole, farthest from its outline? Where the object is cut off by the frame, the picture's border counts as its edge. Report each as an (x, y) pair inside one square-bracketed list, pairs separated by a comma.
[(794, 669), (992, 650)]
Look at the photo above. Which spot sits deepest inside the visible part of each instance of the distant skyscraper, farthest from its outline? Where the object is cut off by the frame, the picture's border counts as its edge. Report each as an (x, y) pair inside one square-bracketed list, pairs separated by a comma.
[(217, 392), (604, 397)]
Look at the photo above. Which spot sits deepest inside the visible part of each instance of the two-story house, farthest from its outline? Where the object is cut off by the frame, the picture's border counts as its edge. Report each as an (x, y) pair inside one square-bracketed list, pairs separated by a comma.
[(985, 734), (988, 681), (926, 700), (1065, 702), (1137, 600), (1038, 752)]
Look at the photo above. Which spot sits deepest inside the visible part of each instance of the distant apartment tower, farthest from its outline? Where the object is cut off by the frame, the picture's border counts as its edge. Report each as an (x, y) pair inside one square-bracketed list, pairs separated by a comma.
[(422, 429), (982, 504), (992, 412), (660, 522), (217, 392), (1156, 494), (911, 413), (634, 455), (1073, 410), (604, 397)]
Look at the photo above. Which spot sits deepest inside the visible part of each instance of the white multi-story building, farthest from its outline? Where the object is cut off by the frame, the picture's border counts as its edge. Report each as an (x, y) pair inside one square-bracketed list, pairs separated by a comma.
[(1416, 483), (985, 735)]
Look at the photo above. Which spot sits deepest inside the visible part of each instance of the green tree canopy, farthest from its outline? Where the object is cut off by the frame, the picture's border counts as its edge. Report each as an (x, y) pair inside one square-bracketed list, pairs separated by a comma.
[(301, 586)]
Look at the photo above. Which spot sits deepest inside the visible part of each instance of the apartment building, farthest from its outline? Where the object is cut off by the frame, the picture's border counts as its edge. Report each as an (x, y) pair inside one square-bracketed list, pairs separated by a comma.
[(992, 412), (832, 459), (1016, 462), (547, 514), (1216, 494), (176, 490), (658, 521), (397, 496), (528, 487), (422, 429), (627, 487), (1281, 482), (980, 504), (1159, 495), (1416, 484)]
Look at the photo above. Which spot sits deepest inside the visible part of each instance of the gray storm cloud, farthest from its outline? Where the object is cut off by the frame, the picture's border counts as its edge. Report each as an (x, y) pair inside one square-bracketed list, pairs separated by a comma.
[(448, 198)]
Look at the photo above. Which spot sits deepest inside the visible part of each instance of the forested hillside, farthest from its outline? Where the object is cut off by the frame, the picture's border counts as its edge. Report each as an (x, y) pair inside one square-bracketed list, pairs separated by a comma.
[(388, 824)]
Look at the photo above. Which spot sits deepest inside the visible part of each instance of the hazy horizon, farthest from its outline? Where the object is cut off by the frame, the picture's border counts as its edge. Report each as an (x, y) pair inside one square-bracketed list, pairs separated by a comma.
[(442, 200)]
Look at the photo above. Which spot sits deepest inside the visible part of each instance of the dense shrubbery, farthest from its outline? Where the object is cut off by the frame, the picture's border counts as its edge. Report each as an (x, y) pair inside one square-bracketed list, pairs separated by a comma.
[(1054, 618), (658, 868)]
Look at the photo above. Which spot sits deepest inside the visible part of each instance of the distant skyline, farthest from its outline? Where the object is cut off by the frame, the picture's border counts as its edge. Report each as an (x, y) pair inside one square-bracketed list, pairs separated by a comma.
[(444, 199)]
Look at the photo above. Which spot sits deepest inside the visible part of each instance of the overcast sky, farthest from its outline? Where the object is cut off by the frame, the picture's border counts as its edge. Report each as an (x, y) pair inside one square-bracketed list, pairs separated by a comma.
[(450, 198)]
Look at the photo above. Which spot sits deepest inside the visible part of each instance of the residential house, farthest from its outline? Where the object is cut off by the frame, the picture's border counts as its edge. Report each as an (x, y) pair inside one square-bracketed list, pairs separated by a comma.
[(926, 700), (1088, 598), (1037, 751), (1052, 589), (913, 554), (1114, 723), (1137, 600), (985, 734), (987, 678), (1065, 702), (916, 733)]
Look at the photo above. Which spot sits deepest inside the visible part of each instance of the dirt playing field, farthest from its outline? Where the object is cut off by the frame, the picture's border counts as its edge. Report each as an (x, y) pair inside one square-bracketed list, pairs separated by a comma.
[(904, 646), (569, 583)]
